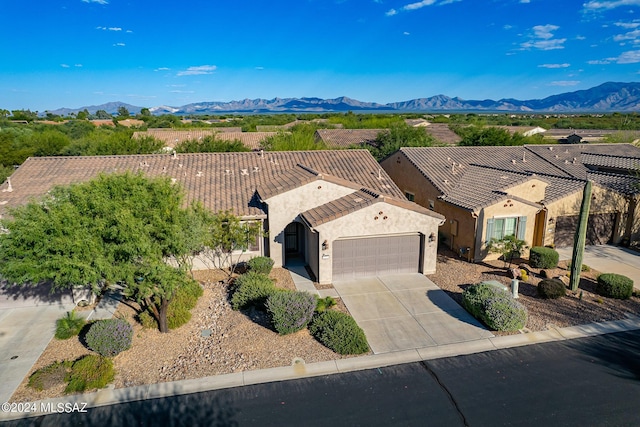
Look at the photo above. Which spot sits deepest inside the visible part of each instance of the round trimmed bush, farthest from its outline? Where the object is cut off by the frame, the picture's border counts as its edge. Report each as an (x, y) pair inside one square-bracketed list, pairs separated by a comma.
[(260, 264), (339, 332), (551, 288), (252, 289), (109, 337), (474, 297), (503, 313), (614, 286), (543, 257), (90, 372), (291, 311)]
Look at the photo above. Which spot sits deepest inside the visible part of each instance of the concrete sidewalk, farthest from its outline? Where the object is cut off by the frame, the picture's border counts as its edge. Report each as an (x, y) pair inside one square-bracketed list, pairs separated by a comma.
[(609, 259), (111, 396)]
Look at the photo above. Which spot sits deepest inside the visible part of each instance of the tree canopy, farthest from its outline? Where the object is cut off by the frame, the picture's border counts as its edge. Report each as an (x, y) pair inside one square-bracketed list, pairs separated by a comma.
[(117, 228)]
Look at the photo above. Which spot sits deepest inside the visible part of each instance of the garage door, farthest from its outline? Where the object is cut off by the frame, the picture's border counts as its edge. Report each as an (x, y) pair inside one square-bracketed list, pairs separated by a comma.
[(375, 256), (599, 229)]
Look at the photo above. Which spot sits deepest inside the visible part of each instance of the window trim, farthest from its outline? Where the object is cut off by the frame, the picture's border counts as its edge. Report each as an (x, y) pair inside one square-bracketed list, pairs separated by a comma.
[(410, 196)]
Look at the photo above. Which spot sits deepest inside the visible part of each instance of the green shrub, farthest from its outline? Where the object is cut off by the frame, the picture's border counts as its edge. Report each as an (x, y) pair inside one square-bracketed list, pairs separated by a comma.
[(50, 376), (339, 332), (614, 286), (324, 303), (503, 313), (90, 372), (260, 264), (109, 337), (543, 257), (583, 267), (252, 289), (179, 309), (69, 326), (474, 297), (552, 288), (291, 311)]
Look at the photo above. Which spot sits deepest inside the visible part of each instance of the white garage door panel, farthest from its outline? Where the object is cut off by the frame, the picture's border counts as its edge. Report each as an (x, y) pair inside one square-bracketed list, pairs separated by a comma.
[(375, 256)]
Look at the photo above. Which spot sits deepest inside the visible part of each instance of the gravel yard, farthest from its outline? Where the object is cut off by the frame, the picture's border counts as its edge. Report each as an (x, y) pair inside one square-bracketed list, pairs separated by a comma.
[(453, 275), (240, 341)]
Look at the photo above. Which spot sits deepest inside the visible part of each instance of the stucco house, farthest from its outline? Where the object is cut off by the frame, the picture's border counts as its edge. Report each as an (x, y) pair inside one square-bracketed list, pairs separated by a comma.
[(173, 137), (336, 211), (533, 192)]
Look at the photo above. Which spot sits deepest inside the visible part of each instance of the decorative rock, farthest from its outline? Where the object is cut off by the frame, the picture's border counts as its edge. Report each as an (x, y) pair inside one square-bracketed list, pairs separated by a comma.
[(514, 273), (563, 279), (545, 274)]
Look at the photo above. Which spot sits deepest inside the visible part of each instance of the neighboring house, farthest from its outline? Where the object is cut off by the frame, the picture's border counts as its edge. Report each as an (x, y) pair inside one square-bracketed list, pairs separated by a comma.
[(173, 137), (524, 130), (347, 138), (586, 135), (533, 192), (442, 133), (336, 211), (414, 123)]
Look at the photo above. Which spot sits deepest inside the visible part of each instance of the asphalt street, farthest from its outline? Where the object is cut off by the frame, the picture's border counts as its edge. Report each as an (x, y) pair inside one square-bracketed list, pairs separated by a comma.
[(584, 382)]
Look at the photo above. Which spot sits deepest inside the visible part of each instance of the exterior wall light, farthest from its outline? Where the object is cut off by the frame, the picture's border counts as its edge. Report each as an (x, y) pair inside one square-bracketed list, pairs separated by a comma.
[(432, 237), (325, 245)]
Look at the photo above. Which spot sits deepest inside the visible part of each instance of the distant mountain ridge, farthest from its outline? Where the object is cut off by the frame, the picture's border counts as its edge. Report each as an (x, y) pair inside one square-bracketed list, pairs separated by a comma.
[(607, 97)]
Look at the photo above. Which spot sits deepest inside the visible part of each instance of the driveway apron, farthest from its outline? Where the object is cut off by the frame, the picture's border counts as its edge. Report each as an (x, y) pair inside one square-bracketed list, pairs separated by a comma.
[(609, 259), (407, 311)]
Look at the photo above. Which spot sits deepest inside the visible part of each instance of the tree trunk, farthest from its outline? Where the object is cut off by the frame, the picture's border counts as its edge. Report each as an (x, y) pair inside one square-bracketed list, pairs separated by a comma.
[(580, 238), (162, 315)]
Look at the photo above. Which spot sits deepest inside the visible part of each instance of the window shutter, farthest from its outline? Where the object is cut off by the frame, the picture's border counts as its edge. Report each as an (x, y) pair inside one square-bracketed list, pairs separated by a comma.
[(489, 233), (522, 227)]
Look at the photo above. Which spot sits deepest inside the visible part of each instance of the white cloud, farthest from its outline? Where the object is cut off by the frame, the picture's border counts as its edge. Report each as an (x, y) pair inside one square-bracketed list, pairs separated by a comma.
[(599, 62), (406, 33), (595, 5), (419, 5), (544, 31), (565, 65), (631, 35), (507, 27), (543, 38), (627, 25), (629, 57), (259, 68), (78, 65), (162, 69), (64, 65), (119, 44), (96, 1), (564, 83), (182, 91), (198, 70), (525, 1), (115, 29)]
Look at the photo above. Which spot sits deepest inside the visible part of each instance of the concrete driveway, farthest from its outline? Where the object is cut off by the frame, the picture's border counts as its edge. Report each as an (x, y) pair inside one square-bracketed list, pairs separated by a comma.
[(407, 311), (609, 259), (27, 324)]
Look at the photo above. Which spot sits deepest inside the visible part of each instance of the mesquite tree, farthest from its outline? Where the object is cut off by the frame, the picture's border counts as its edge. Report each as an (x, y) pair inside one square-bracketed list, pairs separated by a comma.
[(580, 238)]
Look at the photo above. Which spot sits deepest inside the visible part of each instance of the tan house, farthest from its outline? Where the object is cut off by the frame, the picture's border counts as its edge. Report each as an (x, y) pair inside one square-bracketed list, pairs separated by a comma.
[(533, 192), (348, 138), (335, 211)]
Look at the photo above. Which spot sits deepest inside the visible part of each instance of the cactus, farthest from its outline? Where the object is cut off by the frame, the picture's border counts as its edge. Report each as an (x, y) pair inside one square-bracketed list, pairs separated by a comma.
[(580, 238)]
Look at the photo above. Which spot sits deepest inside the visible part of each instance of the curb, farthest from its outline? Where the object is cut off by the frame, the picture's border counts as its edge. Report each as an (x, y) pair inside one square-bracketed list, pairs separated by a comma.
[(111, 396)]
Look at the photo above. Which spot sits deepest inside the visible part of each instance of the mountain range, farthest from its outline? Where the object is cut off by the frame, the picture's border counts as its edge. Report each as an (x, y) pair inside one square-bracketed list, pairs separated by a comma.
[(607, 97)]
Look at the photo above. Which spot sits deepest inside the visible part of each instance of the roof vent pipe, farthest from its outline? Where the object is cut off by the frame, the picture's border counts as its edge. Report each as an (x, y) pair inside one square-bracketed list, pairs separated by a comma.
[(9, 188)]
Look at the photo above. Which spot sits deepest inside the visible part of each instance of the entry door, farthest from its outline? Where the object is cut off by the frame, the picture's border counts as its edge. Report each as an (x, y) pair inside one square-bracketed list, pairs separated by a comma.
[(291, 238)]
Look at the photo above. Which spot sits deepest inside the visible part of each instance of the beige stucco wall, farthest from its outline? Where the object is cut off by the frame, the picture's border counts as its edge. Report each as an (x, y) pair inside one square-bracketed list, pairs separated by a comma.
[(533, 190), (602, 201), (286, 207), (507, 208), (363, 223)]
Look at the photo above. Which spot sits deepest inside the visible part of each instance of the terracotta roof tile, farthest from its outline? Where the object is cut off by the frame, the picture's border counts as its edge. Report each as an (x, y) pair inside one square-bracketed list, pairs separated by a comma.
[(221, 181), (345, 138), (172, 137)]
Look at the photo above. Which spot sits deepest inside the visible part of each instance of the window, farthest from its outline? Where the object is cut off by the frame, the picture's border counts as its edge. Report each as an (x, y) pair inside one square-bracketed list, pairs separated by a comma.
[(498, 228), (410, 196)]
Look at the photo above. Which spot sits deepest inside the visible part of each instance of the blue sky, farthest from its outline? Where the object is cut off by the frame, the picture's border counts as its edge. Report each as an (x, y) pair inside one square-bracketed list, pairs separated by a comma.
[(73, 53)]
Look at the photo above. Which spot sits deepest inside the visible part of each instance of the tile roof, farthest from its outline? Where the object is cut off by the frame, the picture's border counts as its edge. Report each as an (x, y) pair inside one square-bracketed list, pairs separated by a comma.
[(172, 137), (612, 161), (475, 177), (442, 133), (625, 184), (221, 181), (345, 138), (354, 202)]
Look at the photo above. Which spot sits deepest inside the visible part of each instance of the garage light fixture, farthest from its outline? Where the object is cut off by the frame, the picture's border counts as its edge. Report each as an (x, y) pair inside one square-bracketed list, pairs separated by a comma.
[(325, 245)]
